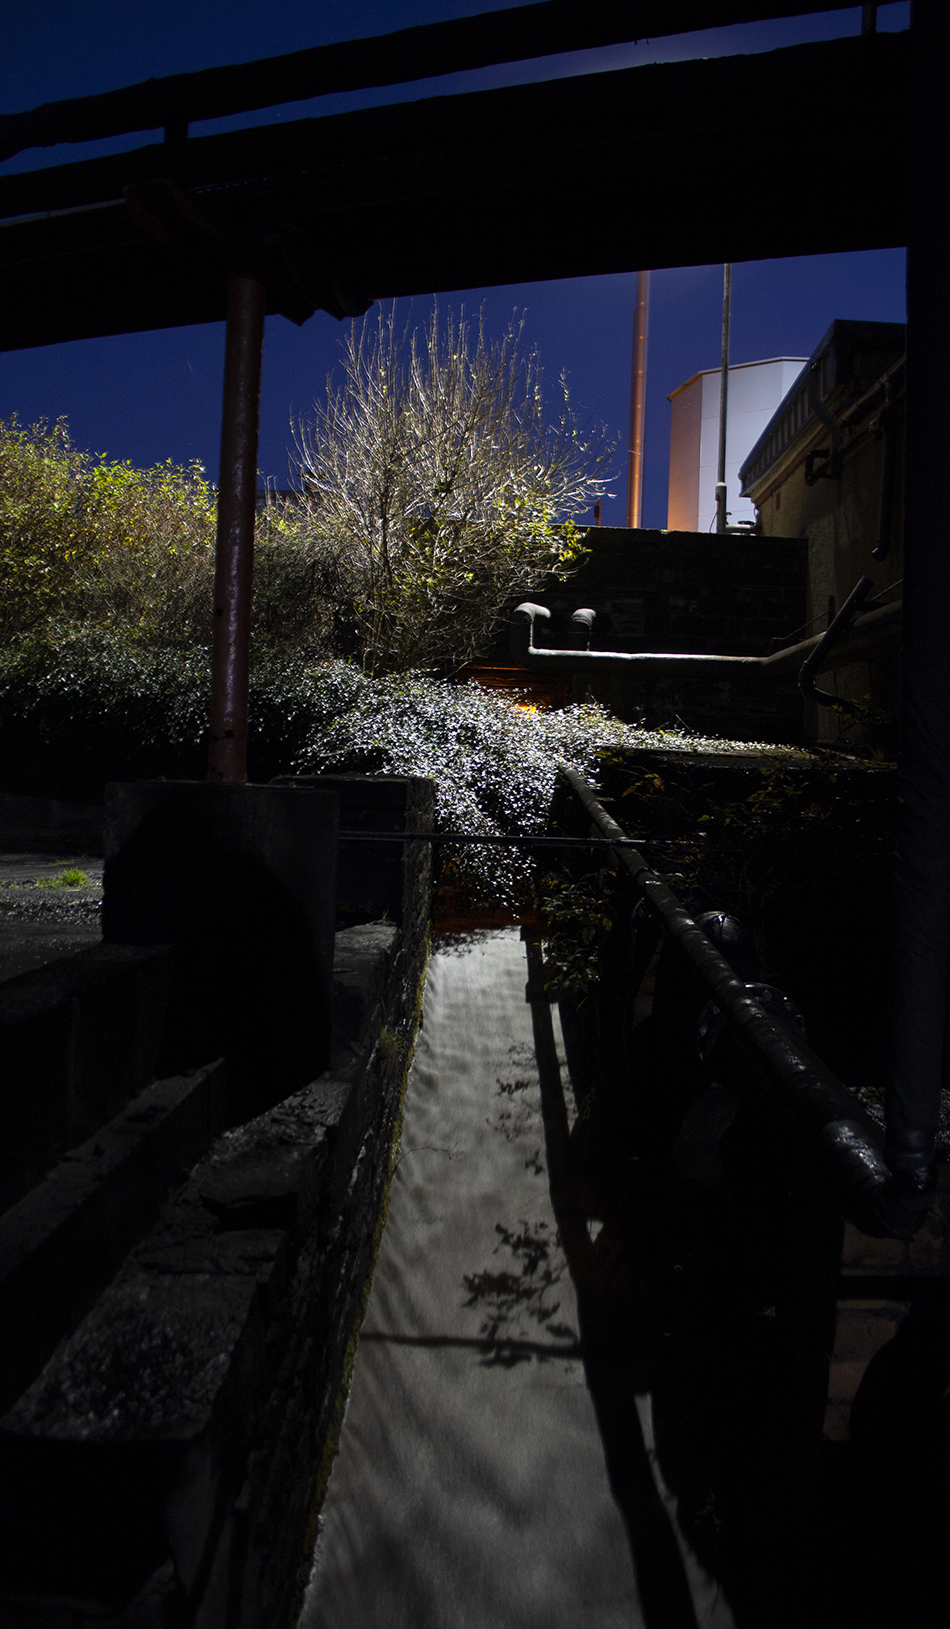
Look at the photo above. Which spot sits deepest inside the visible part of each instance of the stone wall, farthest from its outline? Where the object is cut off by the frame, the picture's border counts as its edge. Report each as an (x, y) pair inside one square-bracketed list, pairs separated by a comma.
[(168, 1433)]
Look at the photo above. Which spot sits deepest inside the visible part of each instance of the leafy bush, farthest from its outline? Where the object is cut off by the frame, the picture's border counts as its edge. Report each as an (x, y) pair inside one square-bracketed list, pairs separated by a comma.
[(79, 708), (87, 542), (78, 711), (494, 763)]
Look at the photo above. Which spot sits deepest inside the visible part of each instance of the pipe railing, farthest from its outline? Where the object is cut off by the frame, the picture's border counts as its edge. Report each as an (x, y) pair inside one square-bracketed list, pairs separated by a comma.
[(830, 1120), (822, 656), (865, 636)]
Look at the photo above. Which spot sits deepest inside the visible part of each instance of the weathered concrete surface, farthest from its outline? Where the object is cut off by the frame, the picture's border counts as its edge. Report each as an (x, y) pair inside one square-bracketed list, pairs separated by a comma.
[(61, 1244), (162, 1467), (384, 881), (165, 1460)]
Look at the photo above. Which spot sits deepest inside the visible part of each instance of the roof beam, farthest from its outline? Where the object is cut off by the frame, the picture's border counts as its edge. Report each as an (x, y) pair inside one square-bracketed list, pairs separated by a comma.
[(544, 29), (467, 191)]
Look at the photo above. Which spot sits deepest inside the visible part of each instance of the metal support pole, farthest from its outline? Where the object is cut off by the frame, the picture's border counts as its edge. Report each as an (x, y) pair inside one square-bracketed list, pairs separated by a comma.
[(921, 876), (227, 753), (638, 400), (721, 520)]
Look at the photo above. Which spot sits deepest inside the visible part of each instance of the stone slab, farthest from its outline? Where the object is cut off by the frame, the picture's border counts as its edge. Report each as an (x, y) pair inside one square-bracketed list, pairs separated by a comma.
[(78, 1038), (62, 1242), (143, 1412)]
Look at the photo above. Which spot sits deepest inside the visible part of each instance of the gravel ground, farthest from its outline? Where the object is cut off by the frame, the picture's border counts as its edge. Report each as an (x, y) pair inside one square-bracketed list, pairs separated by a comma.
[(38, 922)]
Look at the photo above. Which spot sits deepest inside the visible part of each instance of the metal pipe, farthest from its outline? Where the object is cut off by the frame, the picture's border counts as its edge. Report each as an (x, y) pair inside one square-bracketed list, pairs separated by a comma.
[(831, 1120), (817, 406), (234, 561), (866, 635), (582, 622), (721, 516), (838, 626), (638, 399), (885, 513)]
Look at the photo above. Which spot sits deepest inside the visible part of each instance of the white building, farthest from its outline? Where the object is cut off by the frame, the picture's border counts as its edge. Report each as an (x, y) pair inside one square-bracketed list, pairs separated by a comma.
[(755, 391)]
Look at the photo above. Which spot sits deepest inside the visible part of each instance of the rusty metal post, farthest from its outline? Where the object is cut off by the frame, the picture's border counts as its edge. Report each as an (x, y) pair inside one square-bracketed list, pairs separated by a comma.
[(638, 400), (234, 563)]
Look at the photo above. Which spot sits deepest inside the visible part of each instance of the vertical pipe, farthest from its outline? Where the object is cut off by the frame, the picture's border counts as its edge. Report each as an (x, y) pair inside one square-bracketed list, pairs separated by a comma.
[(638, 400), (921, 875), (723, 398), (234, 561)]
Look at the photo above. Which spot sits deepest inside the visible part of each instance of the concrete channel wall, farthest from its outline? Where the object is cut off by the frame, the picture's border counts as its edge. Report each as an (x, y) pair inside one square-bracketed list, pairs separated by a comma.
[(180, 1291)]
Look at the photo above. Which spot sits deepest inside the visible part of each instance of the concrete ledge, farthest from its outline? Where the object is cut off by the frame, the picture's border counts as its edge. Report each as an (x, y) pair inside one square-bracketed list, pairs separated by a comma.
[(61, 1244), (78, 1037), (362, 963), (144, 1403)]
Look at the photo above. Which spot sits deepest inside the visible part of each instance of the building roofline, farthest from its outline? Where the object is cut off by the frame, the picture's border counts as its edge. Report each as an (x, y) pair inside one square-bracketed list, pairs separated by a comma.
[(734, 368), (834, 340)]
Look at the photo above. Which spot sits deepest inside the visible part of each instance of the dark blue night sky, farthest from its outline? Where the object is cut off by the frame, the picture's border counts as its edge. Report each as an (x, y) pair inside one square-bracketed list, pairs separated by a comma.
[(147, 397)]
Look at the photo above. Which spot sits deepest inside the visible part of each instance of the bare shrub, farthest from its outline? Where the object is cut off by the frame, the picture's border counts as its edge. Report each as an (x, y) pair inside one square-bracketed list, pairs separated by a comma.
[(434, 489)]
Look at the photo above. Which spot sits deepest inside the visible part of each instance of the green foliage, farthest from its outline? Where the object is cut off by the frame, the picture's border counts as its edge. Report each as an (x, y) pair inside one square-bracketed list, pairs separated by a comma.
[(827, 820), (85, 542), (71, 877), (578, 916), (92, 683), (80, 708), (493, 762)]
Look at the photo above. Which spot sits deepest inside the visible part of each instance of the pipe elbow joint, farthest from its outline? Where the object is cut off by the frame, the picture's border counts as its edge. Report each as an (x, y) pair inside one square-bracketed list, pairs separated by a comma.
[(521, 633), (582, 622)]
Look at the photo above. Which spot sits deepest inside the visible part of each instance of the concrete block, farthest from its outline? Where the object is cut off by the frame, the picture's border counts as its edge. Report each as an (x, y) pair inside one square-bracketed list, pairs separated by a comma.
[(138, 1426), (241, 879), (384, 882), (270, 1172), (78, 1038), (361, 966), (63, 1241)]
